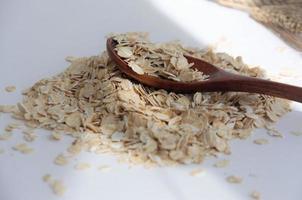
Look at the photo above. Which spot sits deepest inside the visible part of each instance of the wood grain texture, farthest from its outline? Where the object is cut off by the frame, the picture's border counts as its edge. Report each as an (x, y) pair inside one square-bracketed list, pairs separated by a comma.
[(219, 80)]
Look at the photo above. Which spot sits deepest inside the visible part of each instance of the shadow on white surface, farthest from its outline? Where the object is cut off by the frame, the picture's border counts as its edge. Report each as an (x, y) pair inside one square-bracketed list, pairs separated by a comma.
[(36, 36)]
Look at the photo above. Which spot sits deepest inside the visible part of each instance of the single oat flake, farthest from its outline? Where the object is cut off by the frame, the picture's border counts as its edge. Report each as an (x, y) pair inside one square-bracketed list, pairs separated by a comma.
[(274, 132), (222, 163), (261, 141), (255, 195), (197, 172), (55, 136), (234, 179), (10, 127), (104, 168), (10, 88), (23, 148), (58, 187), (6, 135), (296, 133), (82, 166), (8, 108), (61, 160), (106, 112), (47, 178), (29, 135)]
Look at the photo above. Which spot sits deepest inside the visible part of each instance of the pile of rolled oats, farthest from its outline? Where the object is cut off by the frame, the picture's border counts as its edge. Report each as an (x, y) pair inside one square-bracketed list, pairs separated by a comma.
[(106, 112)]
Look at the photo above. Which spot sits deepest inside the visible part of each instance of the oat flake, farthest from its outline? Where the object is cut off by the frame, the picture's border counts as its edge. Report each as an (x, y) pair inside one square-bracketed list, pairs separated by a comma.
[(234, 179), (255, 195), (104, 168), (197, 172), (30, 136), (58, 187), (296, 133), (47, 178), (23, 148), (61, 160), (6, 136), (55, 136), (222, 163), (82, 166), (10, 88), (261, 141)]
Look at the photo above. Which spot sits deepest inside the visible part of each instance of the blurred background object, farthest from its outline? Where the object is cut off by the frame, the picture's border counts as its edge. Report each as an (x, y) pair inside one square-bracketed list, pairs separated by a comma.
[(284, 17)]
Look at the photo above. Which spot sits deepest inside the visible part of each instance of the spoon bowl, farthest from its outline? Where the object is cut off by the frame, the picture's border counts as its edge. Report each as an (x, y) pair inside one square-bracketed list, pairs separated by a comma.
[(219, 80)]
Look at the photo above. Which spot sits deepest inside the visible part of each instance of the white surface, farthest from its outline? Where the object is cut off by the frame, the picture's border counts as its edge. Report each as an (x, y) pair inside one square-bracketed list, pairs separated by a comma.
[(36, 36)]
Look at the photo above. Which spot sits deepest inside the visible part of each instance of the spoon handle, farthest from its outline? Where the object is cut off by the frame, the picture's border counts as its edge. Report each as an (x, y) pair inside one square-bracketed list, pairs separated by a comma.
[(255, 85)]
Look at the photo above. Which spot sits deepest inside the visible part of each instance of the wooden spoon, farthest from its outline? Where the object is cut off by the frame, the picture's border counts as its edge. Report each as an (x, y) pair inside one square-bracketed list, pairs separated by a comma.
[(219, 80)]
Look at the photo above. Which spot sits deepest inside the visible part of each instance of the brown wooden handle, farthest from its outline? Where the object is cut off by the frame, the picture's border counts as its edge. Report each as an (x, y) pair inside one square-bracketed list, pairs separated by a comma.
[(255, 85)]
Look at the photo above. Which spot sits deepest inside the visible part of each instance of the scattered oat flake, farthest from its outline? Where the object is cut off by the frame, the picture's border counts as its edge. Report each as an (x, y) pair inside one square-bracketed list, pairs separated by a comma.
[(10, 88), (7, 108), (56, 136), (28, 131), (6, 135), (104, 168), (296, 133), (261, 141), (23, 148), (74, 149), (15, 125), (58, 187), (222, 163), (234, 179), (29, 137), (198, 172), (274, 132), (255, 195), (47, 178), (10, 127), (82, 166), (61, 160)]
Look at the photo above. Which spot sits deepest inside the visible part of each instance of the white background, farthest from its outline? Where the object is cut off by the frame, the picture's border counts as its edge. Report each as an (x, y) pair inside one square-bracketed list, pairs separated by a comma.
[(36, 36)]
